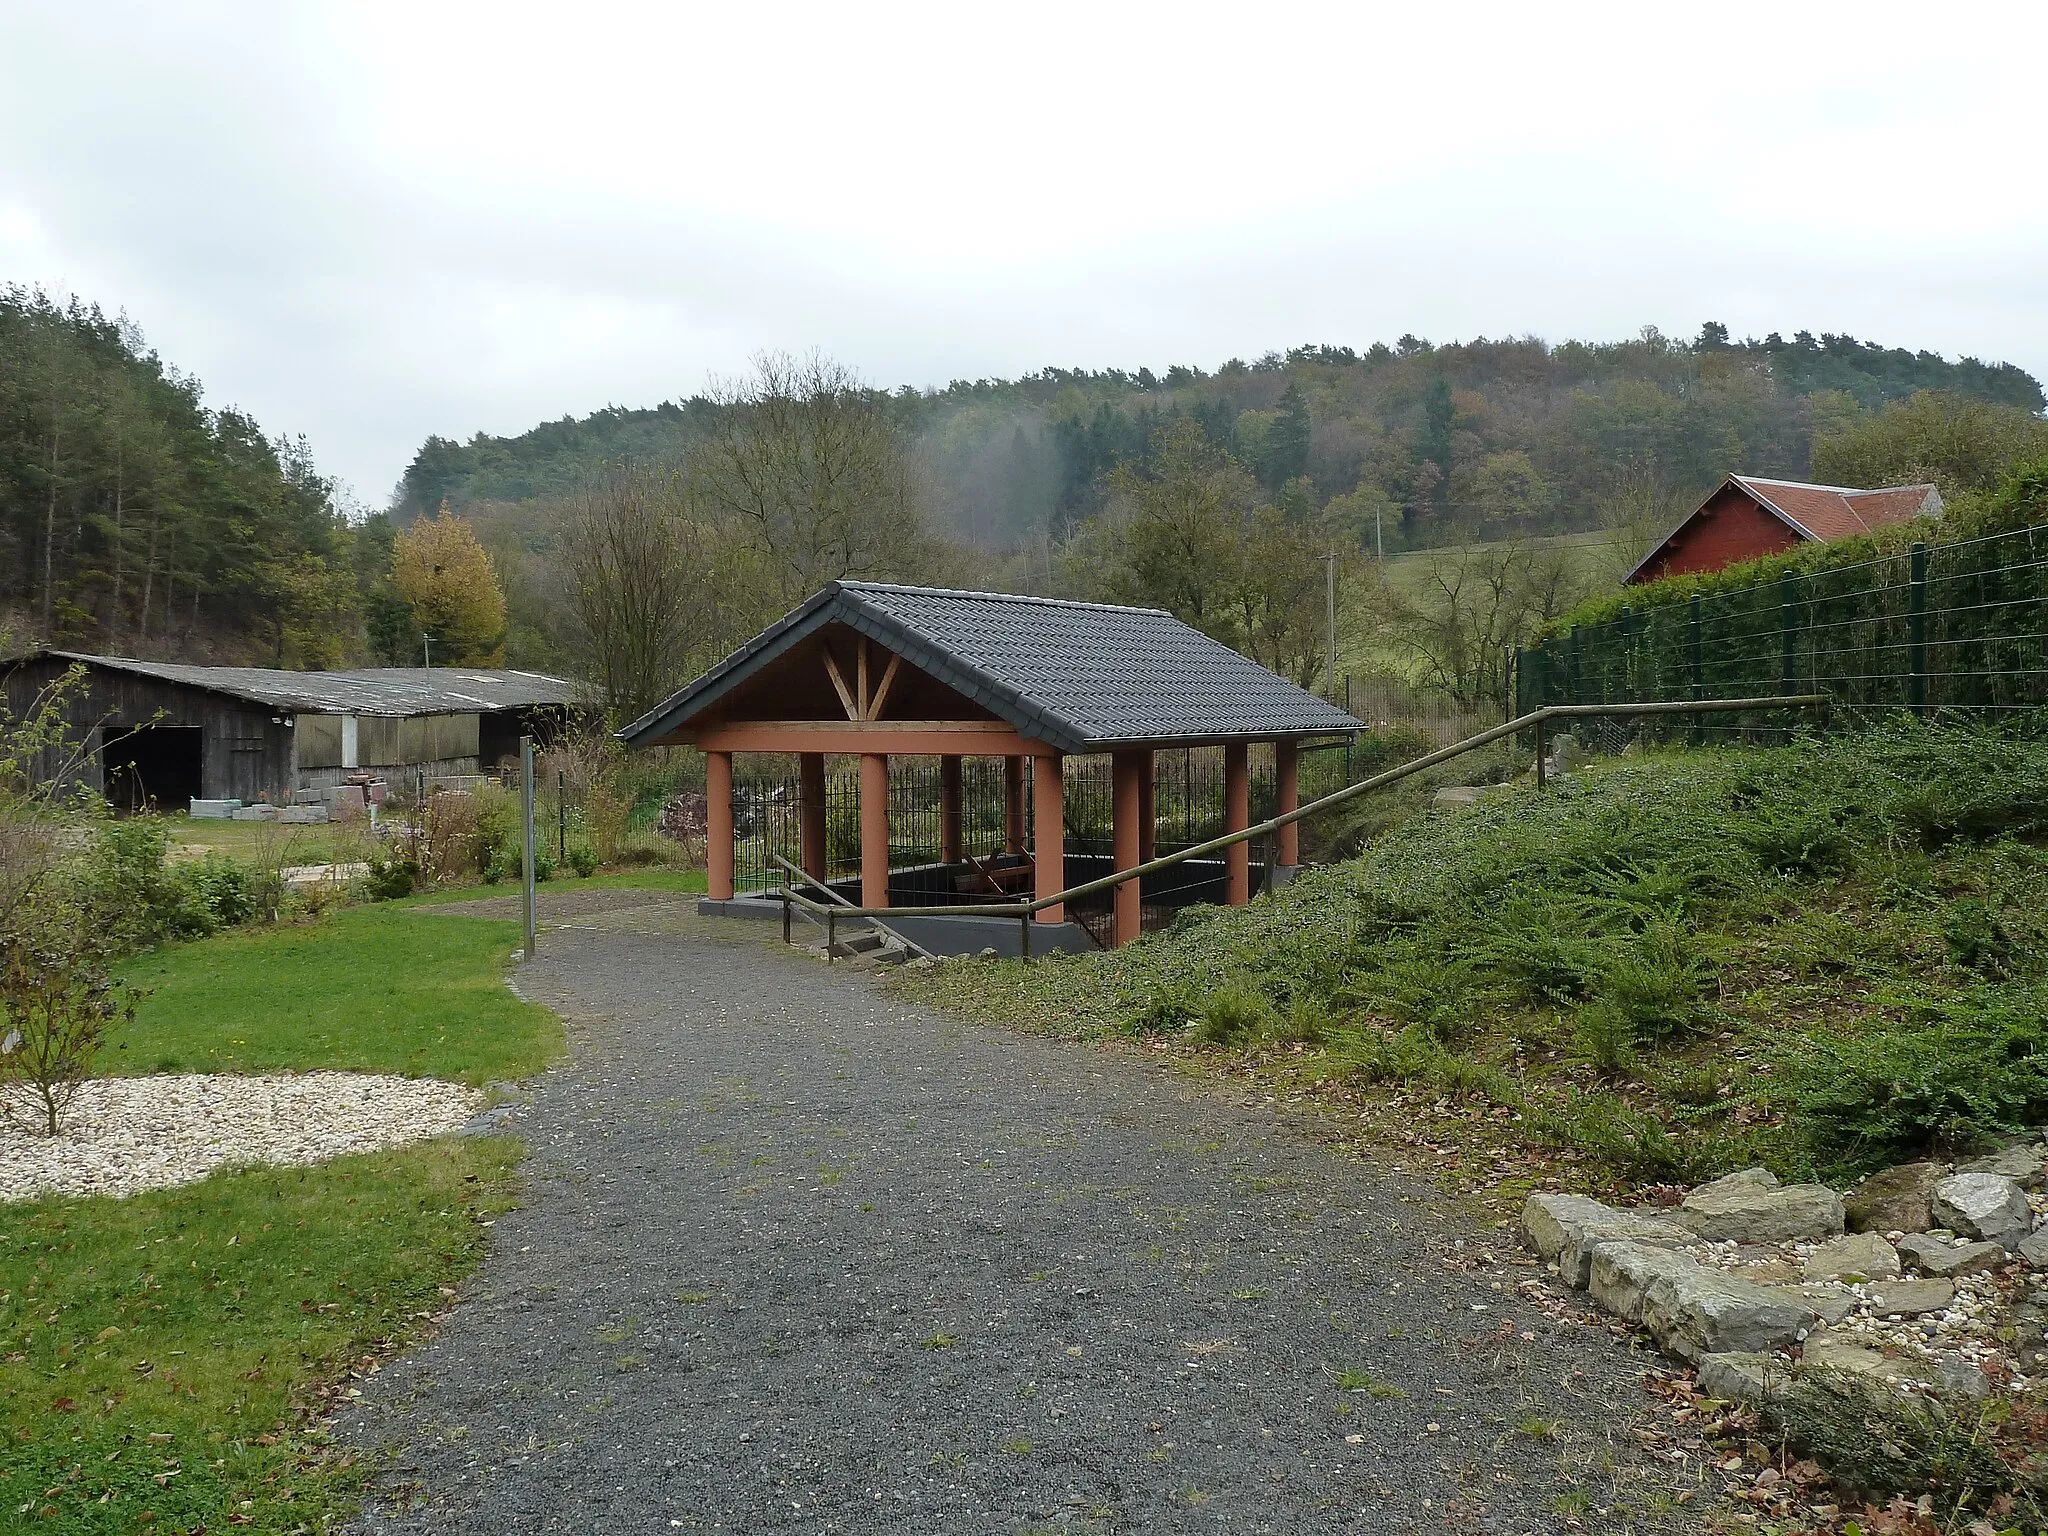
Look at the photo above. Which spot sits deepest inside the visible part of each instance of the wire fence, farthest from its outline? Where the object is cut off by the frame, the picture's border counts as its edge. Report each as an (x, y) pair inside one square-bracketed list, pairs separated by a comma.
[(1957, 629)]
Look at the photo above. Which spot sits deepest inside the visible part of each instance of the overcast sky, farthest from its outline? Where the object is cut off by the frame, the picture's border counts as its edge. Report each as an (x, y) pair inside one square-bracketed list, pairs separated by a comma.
[(370, 224)]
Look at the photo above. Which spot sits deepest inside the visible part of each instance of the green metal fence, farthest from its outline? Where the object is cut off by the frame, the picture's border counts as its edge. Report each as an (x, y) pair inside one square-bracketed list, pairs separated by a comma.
[(1955, 629)]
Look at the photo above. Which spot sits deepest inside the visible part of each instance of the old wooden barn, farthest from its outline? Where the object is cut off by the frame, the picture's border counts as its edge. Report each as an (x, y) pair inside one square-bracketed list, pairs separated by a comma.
[(163, 733)]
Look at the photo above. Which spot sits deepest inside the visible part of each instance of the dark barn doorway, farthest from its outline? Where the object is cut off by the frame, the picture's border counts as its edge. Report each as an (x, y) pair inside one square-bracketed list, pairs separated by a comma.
[(152, 765)]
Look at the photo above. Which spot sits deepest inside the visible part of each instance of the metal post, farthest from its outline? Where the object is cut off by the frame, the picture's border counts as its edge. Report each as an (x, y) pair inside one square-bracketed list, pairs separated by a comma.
[(1539, 754), (785, 907), (561, 816), (1786, 585), (1694, 659), (526, 825), (1917, 683), (831, 932)]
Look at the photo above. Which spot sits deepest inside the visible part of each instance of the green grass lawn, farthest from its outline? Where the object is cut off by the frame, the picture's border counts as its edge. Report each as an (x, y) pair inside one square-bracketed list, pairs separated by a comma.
[(160, 1355), (374, 989), (269, 845), (163, 1358)]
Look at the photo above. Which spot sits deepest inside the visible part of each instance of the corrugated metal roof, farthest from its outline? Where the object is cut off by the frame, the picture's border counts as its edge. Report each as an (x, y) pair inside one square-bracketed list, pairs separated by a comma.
[(1081, 676), (364, 691)]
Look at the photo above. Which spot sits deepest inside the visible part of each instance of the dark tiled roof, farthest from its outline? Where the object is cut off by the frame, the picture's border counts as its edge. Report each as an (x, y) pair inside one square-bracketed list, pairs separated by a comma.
[(365, 691), (1081, 676)]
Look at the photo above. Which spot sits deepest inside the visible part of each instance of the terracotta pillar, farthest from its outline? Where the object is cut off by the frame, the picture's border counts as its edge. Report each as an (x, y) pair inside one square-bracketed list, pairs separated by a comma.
[(952, 838), (1287, 797), (1126, 803), (874, 829), (1237, 815), (811, 813), (1013, 805), (718, 825), (1049, 840), (1148, 807)]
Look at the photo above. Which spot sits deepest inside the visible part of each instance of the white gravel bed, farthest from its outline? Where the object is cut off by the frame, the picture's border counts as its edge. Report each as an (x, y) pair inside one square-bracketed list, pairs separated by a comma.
[(124, 1134)]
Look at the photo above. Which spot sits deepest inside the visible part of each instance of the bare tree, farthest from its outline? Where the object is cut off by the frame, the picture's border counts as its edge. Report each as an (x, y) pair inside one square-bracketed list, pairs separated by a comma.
[(638, 588), (807, 466), (1474, 602)]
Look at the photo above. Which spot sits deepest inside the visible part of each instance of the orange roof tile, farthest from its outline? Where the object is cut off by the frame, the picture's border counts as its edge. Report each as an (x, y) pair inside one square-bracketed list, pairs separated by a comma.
[(1837, 511)]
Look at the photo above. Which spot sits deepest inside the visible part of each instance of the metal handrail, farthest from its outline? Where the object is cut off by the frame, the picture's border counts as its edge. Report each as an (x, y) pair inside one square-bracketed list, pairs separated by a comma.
[(813, 908), (1536, 720)]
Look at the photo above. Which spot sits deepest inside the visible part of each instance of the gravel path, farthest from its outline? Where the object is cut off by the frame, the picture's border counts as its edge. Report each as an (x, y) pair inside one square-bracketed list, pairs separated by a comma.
[(799, 1257)]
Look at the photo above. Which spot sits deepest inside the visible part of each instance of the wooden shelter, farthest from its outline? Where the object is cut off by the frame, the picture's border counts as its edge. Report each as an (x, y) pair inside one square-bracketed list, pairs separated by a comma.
[(875, 671)]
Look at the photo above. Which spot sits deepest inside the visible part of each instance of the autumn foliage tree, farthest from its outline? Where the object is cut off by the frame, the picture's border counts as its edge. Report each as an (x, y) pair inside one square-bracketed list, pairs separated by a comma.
[(447, 579)]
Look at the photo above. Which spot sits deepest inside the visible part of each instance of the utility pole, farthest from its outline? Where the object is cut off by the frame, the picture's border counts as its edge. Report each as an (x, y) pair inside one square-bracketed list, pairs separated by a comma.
[(1379, 535), (427, 646), (1330, 614)]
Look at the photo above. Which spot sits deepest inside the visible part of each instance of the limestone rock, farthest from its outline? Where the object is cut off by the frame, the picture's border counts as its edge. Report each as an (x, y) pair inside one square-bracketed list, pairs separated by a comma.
[(1832, 1302), (1748, 1178), (1989, 1206), (1620, 1274), (1958, 1381), (1548, 1219), (1894, 1200), (1937, 1256), (1910, 1298), (1826, 1351), (2034, 1249), (1695, 1311), (1862, 1256), (2022, 1165), (1749, 1213), (1743, 1377), (1582, 1236)]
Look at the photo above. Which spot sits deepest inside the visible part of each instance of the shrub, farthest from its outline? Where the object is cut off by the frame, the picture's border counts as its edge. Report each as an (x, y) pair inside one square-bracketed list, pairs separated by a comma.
[(607, 815), (1539, 946), (1877, 1443), (1652, 983), (1606, 1038), (218, 892), (1308, 1021), (58, 1004), (1230, 1013), (1977, 936), (583, 860), (1434, 991), (389, 878), (1169, 1007), (1975, 1073)]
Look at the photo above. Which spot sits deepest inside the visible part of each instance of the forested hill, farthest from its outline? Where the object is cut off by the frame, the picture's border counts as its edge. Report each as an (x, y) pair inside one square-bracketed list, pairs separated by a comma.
[(1429, 444), (135, 519)]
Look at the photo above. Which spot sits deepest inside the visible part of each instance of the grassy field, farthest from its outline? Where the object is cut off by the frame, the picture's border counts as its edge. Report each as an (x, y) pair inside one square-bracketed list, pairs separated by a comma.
[(371, 988), (163, 1358), (1822, 957), (268, 845)]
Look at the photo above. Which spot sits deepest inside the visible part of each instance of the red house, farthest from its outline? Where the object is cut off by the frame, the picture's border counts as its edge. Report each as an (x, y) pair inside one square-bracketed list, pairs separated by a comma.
[(1747, 518)]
